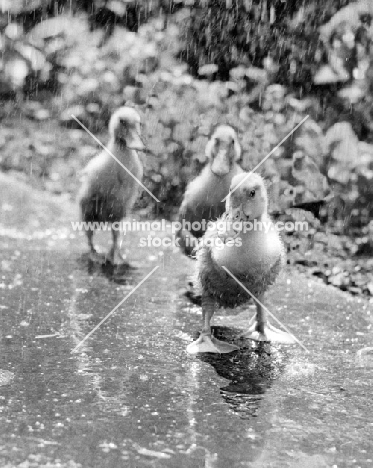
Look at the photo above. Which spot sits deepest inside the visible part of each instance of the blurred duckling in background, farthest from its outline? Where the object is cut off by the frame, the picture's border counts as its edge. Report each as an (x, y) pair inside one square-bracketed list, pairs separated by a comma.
[(254, 257), (203, 197), (108, 191)]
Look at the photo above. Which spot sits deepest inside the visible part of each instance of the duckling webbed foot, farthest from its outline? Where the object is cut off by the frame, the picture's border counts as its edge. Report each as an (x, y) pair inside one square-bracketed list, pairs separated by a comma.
[(206, 343), (267, 332), (261, 330)]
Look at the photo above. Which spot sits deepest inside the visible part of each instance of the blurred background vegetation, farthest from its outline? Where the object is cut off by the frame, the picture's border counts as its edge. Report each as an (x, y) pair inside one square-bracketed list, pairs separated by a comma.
[(259, 65)]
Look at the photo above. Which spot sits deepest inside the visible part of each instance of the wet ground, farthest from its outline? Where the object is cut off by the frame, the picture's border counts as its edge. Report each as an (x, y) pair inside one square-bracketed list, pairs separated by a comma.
[(130, 396)]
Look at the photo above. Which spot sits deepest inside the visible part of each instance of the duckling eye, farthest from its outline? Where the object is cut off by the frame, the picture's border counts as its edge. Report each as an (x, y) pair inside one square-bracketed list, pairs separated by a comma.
[(252, 194)]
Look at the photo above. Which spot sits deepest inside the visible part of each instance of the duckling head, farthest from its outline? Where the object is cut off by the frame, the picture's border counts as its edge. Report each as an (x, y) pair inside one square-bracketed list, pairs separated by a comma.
[(249, 200), (125, 128), (223, 150)]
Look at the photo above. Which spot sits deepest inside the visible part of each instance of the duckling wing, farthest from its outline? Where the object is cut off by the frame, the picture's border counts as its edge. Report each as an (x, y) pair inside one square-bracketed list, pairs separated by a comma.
[(101, 197)]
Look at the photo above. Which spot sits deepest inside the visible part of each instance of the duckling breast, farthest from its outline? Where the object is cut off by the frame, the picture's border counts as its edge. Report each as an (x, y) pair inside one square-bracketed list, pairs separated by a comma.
[(253, 250), (255, 266), (108, 192)]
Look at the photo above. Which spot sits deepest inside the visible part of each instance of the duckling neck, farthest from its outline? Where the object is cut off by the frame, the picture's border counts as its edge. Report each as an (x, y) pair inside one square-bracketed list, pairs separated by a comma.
[(121, 150), (215, 176), (261, 218), (128, 158), (209, 189), (120, 144), (260, 227), (219, 184)]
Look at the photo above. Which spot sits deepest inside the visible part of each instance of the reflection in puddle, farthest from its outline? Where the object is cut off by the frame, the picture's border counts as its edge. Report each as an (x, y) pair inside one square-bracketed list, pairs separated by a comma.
[(5, 377), (364, 357), (119, 274), (250, 372)]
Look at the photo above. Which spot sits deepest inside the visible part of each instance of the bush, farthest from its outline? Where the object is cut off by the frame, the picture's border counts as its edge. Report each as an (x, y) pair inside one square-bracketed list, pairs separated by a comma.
[(180, 112), (250, 32)]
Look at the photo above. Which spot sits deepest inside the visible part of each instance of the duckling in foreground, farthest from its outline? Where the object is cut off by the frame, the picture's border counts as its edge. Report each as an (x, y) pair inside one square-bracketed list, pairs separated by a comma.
[(254, 257), (203, 197), (108, 191)]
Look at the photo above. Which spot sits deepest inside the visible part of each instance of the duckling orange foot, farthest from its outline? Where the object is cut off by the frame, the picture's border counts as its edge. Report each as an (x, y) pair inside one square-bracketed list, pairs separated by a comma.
[(210, 344), (267, 332)]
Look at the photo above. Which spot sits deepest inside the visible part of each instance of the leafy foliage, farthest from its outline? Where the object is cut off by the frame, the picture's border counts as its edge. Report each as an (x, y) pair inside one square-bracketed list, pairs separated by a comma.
[(180, 112), (97, 75), (250, 33)]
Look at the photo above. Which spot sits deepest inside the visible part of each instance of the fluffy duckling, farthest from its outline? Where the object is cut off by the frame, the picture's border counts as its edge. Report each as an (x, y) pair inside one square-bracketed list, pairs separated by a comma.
[(254, 257), (203, 197), (108, 191)]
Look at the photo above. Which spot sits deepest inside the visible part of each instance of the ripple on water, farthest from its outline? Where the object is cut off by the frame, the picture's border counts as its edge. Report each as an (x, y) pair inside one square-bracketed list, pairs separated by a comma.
[(299, 368), (5, 377), (364, 357)]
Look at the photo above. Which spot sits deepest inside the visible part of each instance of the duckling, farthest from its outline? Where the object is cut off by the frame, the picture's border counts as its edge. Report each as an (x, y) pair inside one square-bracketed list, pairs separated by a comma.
[(203, 197), (254, 257), (108, 191)]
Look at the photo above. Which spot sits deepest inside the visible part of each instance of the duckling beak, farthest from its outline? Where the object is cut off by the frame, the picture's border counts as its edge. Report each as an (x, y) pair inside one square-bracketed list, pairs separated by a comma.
[(236, 212), (246, 209), (241, 212), (221, 165), (133, 141)]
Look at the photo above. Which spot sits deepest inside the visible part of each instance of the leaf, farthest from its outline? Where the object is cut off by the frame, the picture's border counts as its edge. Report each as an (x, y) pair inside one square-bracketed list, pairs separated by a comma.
[(326, 75), (352, 94), (256, 74), (342, 143), (207, 70)]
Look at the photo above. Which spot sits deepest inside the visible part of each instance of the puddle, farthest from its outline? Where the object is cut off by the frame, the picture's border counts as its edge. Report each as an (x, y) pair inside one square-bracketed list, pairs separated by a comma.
[(131, 396)]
